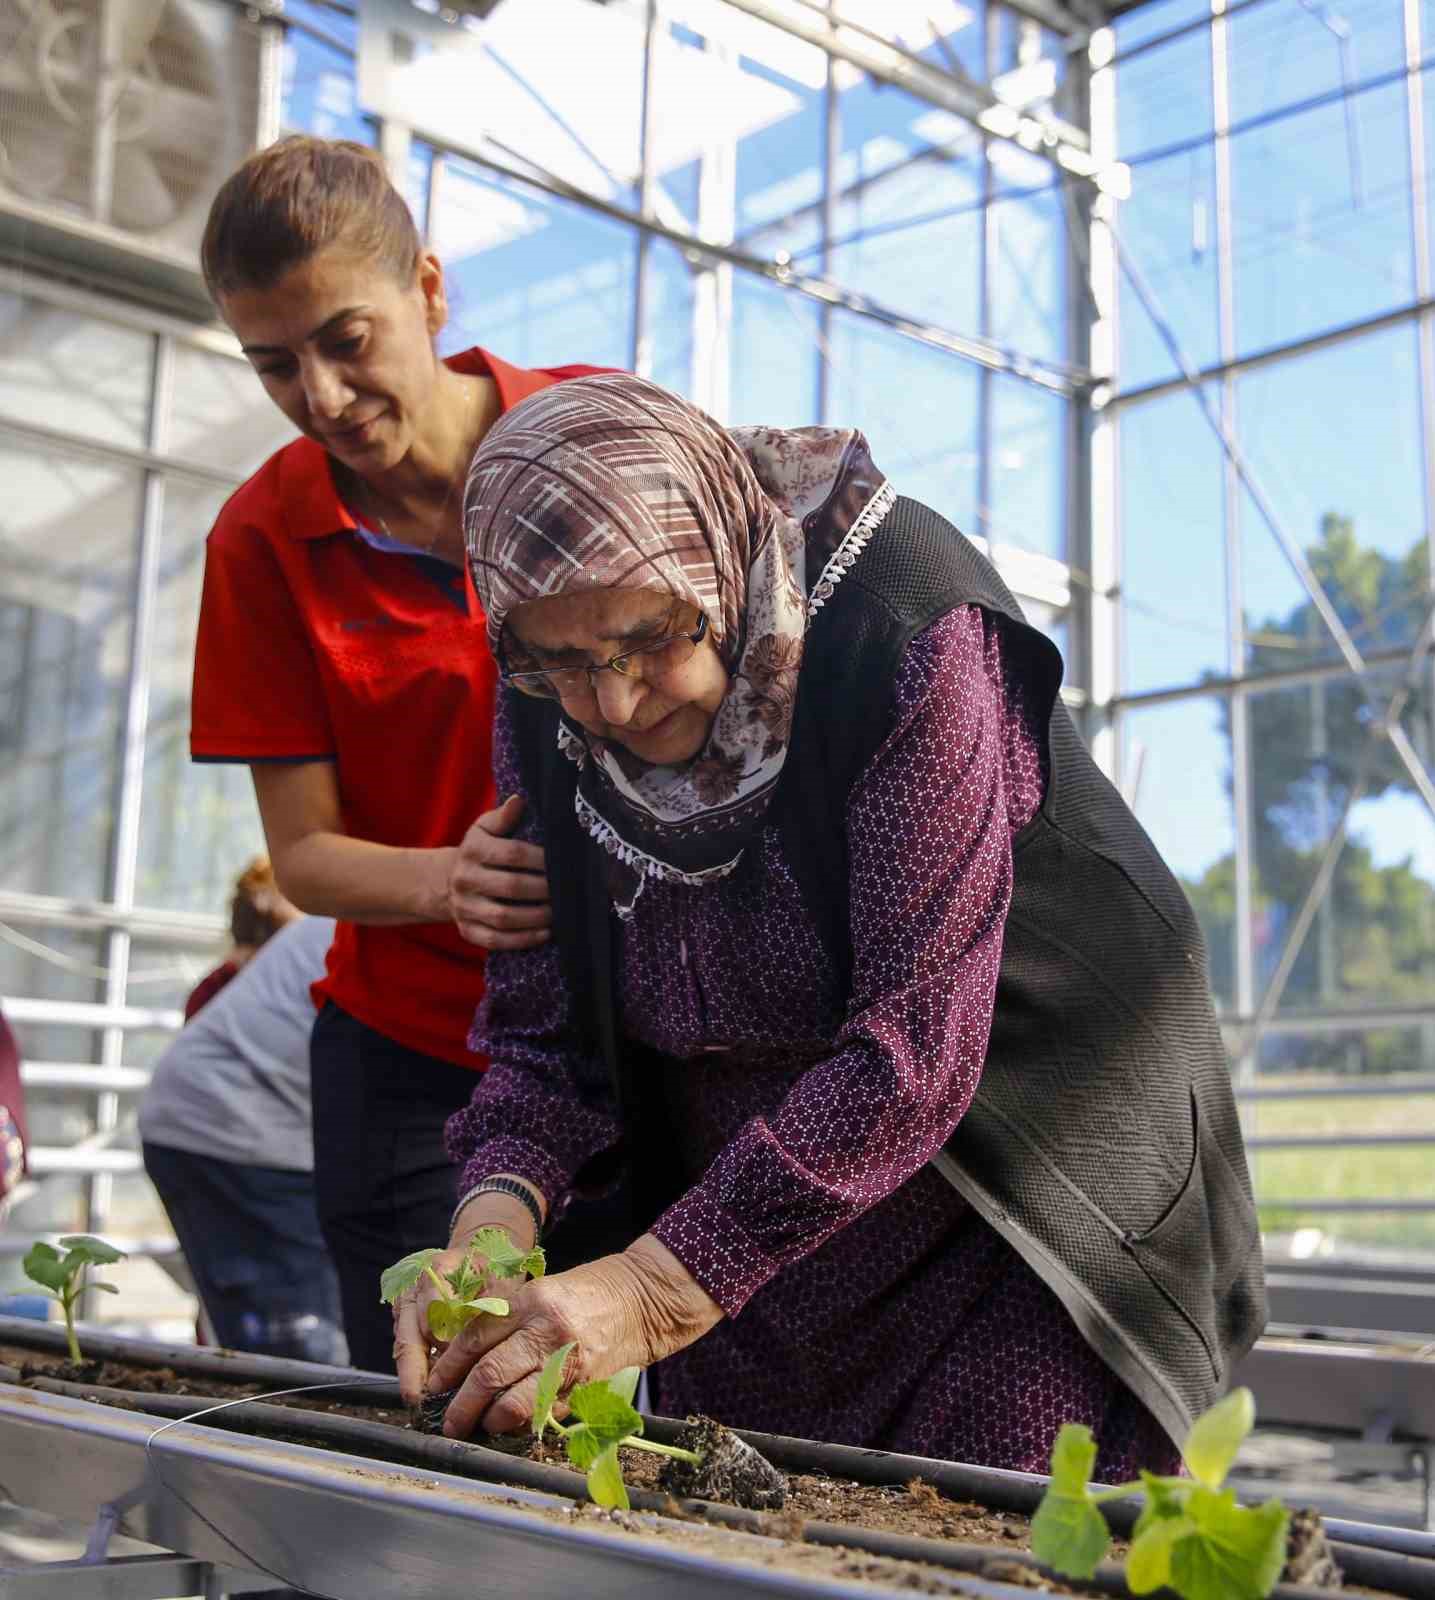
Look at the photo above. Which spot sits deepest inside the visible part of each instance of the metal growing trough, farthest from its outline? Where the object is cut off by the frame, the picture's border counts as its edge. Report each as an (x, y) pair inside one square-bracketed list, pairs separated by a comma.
[(266, 1512)]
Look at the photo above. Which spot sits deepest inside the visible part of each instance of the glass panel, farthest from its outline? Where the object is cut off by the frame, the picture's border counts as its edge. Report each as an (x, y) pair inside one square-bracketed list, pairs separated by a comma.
[(540, 101), (1321, 223), (1371, 938), (44, 963), (918, 408), (1175, 772), (163, 974), (1027, 468), (68, 532), (64, 370), (319, 87), (416, 181), (539, 281), (1169, 227), (668, 334), (775, 346), (1027, 274), (1334, 438), (1151, 21), (1173, 611), (1427, 85), (1284, 1177), (912, 238), (55, 1206), (221, 416), (740, 103), (198, 823), (1163, 95), (1282, 54)]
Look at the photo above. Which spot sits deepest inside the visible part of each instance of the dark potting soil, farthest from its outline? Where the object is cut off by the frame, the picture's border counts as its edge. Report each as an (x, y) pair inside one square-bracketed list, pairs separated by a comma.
[(730, 1471)]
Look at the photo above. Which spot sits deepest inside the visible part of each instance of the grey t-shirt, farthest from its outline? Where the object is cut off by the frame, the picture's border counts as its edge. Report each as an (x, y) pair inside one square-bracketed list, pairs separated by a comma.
[(234, 1084)]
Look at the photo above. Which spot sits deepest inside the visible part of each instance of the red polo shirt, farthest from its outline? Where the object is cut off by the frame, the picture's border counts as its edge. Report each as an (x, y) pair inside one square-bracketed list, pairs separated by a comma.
[(314, 645)]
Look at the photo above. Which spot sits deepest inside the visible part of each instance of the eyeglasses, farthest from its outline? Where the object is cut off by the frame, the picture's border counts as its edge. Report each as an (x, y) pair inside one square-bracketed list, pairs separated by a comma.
[(653, 663)]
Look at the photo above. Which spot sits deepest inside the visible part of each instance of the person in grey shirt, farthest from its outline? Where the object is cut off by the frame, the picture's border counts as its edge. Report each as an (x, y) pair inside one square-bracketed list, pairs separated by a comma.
[(225, 1129)]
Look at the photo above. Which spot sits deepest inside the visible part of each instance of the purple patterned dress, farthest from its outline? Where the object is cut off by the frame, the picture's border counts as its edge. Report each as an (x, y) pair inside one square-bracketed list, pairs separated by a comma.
[(866, 1302)]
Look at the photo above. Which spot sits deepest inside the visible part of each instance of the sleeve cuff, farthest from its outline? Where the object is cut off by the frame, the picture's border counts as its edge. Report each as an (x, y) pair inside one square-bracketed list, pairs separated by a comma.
[(729, 1265), (524, 1160)]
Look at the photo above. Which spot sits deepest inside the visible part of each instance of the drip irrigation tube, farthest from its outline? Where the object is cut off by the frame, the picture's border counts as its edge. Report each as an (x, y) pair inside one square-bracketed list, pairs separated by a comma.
[(1401, 1560), (1396, 1574)]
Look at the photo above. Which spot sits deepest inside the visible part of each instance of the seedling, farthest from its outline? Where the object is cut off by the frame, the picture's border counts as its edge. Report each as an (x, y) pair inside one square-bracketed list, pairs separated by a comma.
[(1191, 1535), (461, 1296), (606, 1421), (67, 1276)]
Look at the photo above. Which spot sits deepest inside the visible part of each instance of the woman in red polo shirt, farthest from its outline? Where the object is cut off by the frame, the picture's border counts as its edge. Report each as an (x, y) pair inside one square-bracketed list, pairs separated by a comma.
[(342, 656)]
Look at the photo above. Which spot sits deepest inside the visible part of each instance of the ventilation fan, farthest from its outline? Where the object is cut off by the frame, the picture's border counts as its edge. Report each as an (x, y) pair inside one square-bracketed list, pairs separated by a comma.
[(121, 117)]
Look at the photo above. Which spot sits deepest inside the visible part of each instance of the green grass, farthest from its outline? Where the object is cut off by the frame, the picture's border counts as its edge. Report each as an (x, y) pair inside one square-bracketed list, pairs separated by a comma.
[(1357, 1173)]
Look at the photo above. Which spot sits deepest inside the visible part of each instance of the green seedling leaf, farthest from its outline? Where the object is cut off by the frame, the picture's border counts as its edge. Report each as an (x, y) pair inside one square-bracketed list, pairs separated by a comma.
[(448, 1318), (504, 1258), (91, 1251), (1163, 1520), (609, 1416), (605, 1481), (1211, 1446), (1233, 1553), (1164, 1501), (1072, 1458), (464, 1282), (1148, 1563), (583, 1445), (403, 1275), (44, 1264), (550, 1380), (624, 1384), (109, 1288), (1068, 1532)]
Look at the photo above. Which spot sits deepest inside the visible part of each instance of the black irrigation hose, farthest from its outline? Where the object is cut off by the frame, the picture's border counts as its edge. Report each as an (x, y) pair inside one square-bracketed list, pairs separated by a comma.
[(1397, 1574), (1405, 1571)]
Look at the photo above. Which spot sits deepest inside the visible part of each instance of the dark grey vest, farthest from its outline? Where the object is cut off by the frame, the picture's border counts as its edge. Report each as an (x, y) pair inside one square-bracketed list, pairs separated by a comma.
[(1103, 1141)]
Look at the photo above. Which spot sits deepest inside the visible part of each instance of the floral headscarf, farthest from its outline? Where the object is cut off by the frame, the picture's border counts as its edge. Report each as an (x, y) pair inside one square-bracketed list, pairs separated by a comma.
[(611, 482)]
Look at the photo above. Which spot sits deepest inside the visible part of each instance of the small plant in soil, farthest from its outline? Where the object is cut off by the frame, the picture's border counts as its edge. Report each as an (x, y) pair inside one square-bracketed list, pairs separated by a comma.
[(67, 1276), (490, 1254), (1191, 1535), (711, 1463)]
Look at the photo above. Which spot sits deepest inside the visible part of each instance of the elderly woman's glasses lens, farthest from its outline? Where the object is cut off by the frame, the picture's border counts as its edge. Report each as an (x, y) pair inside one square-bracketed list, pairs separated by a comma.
[(653, 663)]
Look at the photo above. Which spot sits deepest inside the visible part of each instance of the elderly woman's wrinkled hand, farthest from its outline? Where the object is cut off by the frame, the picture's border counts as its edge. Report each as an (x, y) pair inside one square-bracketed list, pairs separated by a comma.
[(624, 1310)]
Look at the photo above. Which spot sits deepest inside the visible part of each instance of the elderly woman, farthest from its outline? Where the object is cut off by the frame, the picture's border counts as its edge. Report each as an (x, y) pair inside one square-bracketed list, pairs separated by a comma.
[(888, 1004)]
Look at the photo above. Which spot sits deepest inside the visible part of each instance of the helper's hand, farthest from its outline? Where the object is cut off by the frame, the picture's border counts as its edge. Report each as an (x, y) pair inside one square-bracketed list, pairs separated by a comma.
[(497, 891), (624, 1310)]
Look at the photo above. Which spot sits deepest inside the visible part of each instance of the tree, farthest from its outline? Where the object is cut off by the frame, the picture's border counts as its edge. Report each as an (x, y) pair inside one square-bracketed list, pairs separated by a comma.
[(1374, 936)]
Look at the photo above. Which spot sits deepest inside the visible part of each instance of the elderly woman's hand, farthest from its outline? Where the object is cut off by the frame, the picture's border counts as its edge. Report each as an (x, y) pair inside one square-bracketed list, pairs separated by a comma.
[(624, 1310)]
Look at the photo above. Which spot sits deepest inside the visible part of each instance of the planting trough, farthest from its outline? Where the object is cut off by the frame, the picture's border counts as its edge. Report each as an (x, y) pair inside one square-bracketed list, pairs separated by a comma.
[(321, 1516)]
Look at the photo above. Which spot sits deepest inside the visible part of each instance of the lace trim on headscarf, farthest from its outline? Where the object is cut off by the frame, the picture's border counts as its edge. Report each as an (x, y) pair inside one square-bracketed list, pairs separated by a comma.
[(854, 542), (641, 864)]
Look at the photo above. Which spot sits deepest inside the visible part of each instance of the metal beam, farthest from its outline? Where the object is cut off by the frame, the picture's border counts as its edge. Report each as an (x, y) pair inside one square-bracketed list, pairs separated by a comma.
[(1395, 1084), (1263, 682), (57, 911), (1058, 376), (1058, 141), (1271, 354)]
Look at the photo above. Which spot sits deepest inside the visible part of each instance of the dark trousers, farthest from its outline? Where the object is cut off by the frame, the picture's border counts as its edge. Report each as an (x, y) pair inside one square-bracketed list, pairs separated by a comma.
[(250, 1236), (383, 1183)]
